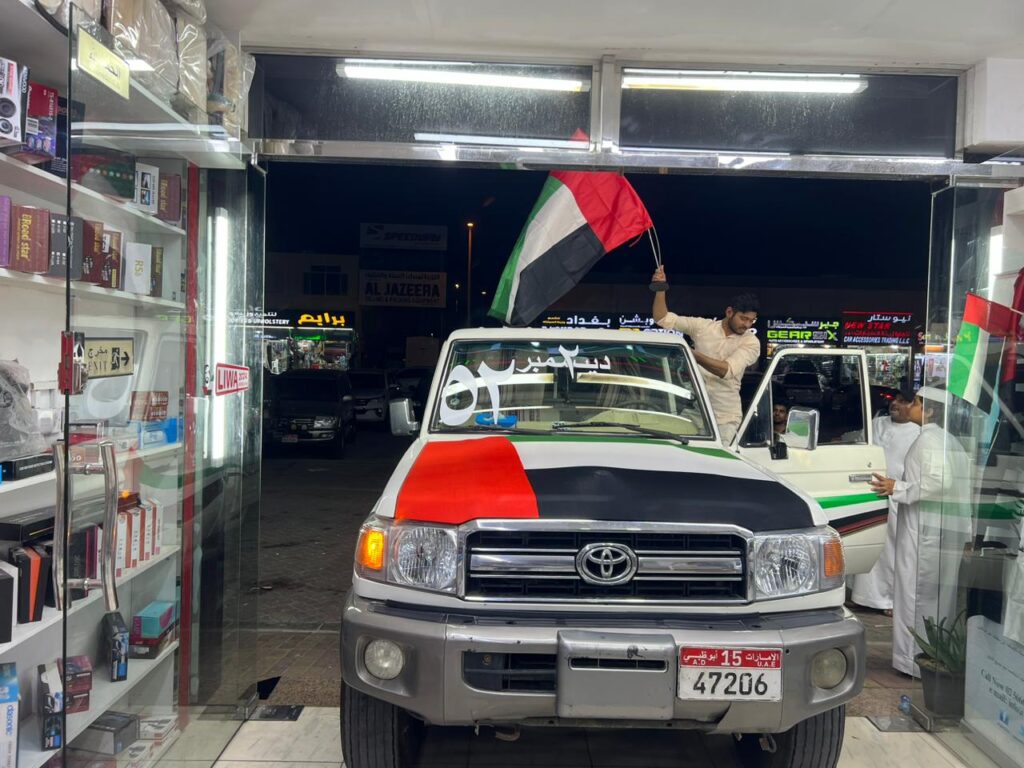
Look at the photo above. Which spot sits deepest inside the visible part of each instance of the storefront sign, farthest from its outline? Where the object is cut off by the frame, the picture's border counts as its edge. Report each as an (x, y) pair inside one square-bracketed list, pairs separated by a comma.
[(322, 320), (878, 328), (386, 288), (404, 237), (994, 704), (600, 321), (103, 64), (106, 358), (811, 333), (228, 379), (292, 318)]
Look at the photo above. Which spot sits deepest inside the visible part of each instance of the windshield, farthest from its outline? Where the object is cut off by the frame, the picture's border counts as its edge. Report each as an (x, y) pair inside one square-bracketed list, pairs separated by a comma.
[(308, 389), (561, 386)]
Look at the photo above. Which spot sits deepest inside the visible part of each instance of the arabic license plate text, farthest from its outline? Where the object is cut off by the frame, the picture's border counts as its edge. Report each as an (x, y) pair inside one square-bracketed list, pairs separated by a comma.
[(289, 438), (730, 674)]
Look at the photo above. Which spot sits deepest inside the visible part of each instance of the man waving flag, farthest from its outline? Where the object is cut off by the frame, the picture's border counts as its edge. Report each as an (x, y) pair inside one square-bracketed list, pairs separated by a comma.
[(579, 217)]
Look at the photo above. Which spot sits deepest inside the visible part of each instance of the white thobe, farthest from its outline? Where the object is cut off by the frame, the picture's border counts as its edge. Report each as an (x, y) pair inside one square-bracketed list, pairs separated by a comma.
[(933, 524), (874, 589)]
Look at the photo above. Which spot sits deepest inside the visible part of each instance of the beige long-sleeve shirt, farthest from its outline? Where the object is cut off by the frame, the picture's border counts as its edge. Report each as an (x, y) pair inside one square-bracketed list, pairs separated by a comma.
[(738, 351)]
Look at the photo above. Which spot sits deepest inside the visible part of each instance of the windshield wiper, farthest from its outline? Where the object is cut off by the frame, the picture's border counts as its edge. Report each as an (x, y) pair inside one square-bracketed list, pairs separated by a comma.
[(562, 426)]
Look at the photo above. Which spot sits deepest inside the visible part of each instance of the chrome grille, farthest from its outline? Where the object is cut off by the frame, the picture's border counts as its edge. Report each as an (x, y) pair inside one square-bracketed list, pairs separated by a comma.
[(542, 565)]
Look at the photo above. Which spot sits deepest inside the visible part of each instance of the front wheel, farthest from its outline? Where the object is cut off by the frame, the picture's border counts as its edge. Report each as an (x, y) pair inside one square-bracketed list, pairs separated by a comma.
[(375, 734), (812, 743)]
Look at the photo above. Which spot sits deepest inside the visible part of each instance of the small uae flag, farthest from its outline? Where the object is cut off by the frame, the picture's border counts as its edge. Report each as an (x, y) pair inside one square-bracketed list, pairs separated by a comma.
[(974, 369), (579, 217)]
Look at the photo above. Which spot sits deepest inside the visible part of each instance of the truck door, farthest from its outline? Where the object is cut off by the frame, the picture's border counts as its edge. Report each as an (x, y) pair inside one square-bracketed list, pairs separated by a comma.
[(835, 468)]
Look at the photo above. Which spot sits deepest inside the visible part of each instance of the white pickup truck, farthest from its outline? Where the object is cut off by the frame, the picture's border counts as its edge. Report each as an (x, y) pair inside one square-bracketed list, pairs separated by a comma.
[(568, 543)]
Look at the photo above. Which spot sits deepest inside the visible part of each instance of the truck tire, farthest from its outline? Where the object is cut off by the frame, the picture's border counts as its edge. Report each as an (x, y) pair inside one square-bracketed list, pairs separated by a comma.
[(375, 734), (812, 743)]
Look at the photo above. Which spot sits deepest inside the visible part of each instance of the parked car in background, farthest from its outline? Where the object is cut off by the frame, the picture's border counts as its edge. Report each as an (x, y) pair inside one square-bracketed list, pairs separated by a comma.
[(372, 392), (312, 406), (413, 383)]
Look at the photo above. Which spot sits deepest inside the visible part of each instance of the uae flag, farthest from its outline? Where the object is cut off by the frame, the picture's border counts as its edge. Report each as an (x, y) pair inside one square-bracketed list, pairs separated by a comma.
[(974, 368), (579, 217)]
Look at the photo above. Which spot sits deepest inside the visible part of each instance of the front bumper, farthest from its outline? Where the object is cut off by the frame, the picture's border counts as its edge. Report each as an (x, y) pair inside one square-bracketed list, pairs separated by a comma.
[(432, 684)]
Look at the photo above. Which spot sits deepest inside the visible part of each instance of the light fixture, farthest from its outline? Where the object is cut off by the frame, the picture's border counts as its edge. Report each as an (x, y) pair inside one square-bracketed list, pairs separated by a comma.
[(470, 225), (139, 65), (444, 73), (752, 82), (501, 141)]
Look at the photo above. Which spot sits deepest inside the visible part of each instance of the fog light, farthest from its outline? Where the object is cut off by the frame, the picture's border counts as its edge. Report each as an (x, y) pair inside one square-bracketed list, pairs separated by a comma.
[(384, 660), (829, 669)]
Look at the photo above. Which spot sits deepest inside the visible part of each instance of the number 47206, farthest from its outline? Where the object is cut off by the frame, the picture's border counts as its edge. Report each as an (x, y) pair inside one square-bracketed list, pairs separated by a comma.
[(729, 684)]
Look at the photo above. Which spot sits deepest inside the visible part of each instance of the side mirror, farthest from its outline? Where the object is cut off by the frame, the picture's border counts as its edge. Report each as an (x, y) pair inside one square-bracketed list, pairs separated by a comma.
[(802, 429), (402, 418)]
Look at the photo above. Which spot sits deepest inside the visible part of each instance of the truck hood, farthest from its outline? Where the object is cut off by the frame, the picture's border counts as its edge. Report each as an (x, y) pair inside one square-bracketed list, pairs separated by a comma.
[(588, 478)]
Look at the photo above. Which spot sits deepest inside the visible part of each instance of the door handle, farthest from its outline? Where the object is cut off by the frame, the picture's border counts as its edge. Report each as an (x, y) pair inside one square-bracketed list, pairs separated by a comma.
[(62, 530)]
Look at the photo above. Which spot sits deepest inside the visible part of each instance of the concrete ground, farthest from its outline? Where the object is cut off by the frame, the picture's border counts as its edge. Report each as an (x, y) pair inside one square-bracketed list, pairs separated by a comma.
[(312, 509)]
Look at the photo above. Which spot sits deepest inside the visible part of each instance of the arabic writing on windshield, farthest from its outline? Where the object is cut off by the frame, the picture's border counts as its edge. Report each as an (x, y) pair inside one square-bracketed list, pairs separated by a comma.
[(535, 385)]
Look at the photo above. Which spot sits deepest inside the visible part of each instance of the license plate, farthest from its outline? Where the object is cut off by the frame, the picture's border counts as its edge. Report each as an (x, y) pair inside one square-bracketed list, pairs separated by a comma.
[(289, 438), (730, 674)]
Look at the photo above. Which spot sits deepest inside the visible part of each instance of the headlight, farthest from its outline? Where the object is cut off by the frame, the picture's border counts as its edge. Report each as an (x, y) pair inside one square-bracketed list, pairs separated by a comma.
[(797, 563), (419, 556), (324, 422)]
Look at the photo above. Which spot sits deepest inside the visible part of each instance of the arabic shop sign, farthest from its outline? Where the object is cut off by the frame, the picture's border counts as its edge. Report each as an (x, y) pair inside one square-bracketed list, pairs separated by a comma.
[(391, 288), (882, 328), (404, 237), (601, 321), (807, 332), (290, 318)]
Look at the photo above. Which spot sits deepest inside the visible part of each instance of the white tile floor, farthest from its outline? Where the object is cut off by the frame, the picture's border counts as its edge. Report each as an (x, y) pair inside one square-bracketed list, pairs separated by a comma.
[(314, 742)]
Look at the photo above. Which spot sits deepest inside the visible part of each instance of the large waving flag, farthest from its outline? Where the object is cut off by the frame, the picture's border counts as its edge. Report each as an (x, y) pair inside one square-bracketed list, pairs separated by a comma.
[(977, 357), (579, 217)]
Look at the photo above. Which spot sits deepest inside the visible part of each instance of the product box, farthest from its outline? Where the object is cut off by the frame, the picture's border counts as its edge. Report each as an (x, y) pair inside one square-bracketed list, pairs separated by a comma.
[(26, 467), (65, 244), (169, 199), (74, 110), (144, 527), (147, 180), (82, 562), (122, 560), (51, 705), (106, 171), (113, 258), (151, 648), (138, 264), (92, 251), (155, 728), (153, 620), (157, 516), (149, 406), (156, 272), (13, 102), (115, 638), (8, 716), (76, 702), (77, 674), (39, 144), (5, 231), (148, 531), (110, 734), (136, 537), (33, 575), (30, 239), (8, 601)]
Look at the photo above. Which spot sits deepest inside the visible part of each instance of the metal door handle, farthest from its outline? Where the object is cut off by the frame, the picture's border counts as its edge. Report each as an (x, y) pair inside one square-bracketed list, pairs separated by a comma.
[(62, 530)]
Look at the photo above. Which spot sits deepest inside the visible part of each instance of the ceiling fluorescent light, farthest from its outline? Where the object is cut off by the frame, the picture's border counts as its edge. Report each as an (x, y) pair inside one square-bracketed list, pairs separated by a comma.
[(138, 65), (748, 82), (500, 141), (454, 77)]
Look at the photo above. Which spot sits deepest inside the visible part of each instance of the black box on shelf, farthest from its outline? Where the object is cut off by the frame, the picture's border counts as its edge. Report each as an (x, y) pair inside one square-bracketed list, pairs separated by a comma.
[(115, 643), (8, 601), (26, 466), (110, 734), (66, 242), (76, 110), (33, 566), (51, 705), (77, 674), (27, 527)]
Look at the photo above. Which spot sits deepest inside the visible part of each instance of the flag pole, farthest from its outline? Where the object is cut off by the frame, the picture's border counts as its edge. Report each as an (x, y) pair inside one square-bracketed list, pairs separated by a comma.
[(661, 285)]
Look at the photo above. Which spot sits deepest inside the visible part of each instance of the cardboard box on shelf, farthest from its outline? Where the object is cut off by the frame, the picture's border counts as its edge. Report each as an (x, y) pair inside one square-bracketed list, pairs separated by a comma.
[(5, 231), (147, 181), (103, 170), (138, 265), (13, 102), (30, 239), (92, 251), (113, 259), (39, 143), (77, 674)]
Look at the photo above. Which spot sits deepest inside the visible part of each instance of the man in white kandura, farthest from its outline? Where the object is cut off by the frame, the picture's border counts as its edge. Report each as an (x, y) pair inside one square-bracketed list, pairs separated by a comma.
[(932, 525), (724, 348), (895, 433)]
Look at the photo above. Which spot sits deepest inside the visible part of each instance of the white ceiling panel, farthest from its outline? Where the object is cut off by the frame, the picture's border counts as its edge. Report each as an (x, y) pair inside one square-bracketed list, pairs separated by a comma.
[(916, 33)]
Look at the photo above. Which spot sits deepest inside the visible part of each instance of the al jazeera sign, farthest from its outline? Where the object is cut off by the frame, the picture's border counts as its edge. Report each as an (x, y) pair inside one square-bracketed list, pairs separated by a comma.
[(397, 288)]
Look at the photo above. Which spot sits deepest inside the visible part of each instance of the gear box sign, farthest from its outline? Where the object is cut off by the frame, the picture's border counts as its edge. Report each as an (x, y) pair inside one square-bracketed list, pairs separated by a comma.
[(228, 379)]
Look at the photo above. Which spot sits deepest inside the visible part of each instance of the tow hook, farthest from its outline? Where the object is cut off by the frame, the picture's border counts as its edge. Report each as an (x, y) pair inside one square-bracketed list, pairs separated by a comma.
[(767, 742), (511, 733)]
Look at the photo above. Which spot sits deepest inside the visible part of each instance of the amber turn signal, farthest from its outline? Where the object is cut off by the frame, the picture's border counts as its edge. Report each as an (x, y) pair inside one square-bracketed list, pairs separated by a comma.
[(370, 552), (835, 563)]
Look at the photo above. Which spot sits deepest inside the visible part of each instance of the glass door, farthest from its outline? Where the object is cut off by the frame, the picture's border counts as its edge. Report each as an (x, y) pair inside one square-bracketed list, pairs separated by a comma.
[(156, 524)]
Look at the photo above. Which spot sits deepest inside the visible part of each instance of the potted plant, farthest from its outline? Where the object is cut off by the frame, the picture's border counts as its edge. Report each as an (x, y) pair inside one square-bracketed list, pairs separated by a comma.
[(942, 661)]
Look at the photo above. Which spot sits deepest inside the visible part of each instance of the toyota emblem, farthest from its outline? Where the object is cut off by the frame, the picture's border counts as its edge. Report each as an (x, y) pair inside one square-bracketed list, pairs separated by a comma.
[(606, 565)]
